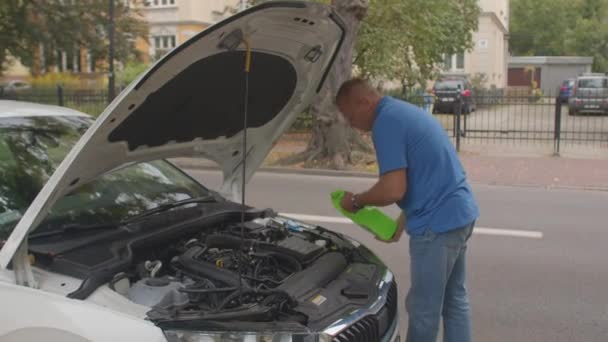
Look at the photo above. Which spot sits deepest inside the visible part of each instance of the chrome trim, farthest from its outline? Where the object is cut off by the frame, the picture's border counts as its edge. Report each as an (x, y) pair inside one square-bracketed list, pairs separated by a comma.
[(392, 334), (343, 323)]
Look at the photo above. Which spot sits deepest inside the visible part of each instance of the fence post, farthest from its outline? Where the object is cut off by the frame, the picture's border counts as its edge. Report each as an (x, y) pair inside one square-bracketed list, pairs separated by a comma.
[(60, 95), (557, 135), (464, 131), (457, 115)]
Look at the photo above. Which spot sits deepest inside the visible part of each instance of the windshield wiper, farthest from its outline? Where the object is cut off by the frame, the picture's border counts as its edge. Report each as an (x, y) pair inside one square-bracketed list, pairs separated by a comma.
[(164, 207), (76, 227)]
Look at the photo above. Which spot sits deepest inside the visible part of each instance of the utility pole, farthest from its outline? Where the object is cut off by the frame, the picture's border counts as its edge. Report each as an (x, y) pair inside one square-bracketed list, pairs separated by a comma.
[(111, 76)]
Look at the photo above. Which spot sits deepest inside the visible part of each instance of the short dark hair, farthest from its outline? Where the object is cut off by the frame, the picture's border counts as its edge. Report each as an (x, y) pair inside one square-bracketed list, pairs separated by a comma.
[(347, 87)]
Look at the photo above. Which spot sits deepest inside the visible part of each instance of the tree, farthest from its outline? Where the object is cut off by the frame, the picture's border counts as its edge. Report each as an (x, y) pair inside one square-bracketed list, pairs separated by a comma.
[(561, 27), (10, 29), (332, 139), (539, 27), (35, 29), (588, 35), (401, 40), (405, 40), (394, 42)]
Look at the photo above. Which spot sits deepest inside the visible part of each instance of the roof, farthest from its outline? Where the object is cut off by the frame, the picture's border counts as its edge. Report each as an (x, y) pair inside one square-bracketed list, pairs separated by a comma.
[(497, 21), (22, 109), (540, 60)]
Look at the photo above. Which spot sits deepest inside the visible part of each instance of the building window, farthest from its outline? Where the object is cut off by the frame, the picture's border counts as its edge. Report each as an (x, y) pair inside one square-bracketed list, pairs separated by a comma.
[(163, 44), (460, 61), (159, 3), (453, 62)]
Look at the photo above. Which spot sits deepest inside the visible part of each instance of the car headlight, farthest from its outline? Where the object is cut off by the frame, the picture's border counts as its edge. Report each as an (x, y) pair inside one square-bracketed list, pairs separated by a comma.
[(196, 336)]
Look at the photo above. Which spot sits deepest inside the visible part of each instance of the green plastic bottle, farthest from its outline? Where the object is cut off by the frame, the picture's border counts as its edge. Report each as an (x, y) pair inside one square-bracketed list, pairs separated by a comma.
[(371, 219)]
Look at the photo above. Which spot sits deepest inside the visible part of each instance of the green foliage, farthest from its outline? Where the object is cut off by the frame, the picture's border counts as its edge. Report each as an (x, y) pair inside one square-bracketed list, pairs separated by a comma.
[(407, 39), (561, 28), (57, 25), (51, 80), (130, 72)]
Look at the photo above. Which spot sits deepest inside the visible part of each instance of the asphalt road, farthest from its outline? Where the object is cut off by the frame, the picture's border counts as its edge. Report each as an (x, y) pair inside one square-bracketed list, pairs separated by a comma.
[(537, 268)]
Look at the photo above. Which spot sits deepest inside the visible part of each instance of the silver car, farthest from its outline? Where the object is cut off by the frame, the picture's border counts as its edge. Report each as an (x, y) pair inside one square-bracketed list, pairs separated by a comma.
[(589, 95)]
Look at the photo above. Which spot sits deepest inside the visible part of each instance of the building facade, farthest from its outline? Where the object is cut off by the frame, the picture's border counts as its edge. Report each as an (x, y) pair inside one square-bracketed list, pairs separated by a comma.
[(548, 72), (490, 53), (172, 22)]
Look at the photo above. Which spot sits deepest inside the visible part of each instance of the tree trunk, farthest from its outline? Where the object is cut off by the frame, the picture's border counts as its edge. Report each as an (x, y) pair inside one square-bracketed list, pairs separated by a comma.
[(332, 138)]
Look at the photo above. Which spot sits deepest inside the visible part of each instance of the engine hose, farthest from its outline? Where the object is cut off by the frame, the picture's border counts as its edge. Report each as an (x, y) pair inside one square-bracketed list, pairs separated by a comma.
[(203, 291), (117, 278), (190, 263), (235, 295), (263, 280), (297, 266)]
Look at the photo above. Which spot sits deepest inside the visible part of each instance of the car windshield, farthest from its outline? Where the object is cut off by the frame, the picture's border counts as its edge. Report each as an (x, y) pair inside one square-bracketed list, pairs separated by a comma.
[(593, 83), (449, 85), (31, 148)]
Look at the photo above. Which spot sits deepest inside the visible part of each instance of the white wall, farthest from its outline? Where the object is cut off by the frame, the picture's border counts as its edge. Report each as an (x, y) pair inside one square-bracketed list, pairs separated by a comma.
[(499, 7), (489, 55), (203, 10)]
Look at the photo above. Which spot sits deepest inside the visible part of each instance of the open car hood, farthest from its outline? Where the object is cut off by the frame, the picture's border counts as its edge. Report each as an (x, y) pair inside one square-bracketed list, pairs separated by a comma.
[(191, 102)]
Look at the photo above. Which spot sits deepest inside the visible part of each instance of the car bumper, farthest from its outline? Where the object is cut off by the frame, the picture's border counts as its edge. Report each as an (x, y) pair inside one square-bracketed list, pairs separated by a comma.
[(588, 107), (380, 321), (392, 334)]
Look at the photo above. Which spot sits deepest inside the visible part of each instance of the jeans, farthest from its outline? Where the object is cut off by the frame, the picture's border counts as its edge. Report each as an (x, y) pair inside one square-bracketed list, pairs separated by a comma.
[(438, 272), (427, 106)]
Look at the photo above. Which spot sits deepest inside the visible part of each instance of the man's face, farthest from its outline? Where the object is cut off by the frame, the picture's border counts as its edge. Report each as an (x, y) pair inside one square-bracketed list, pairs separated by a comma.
[(358, 111)]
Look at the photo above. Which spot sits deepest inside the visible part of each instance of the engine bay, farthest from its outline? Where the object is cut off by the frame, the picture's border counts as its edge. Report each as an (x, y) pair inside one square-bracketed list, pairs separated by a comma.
[(277, 273), (267, 271)]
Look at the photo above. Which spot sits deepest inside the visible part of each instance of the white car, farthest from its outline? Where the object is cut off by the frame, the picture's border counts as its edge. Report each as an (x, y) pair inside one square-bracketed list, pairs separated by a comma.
[(104, 240), (13, 87)]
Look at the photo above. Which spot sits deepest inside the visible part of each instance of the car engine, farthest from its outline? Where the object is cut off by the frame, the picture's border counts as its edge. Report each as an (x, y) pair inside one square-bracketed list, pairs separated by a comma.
[(258, 272), (268, 273)]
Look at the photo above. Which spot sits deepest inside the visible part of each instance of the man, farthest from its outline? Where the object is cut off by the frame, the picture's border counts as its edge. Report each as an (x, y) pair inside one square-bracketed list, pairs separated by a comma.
[(421, 173)]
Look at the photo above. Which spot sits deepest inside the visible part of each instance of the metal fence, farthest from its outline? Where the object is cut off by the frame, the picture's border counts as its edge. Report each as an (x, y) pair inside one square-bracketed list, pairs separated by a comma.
[(513, 119), (88, 101), (525, 120)]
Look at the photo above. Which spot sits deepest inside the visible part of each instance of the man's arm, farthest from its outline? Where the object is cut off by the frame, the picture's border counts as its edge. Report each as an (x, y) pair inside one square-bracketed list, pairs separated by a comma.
[(390, 188)]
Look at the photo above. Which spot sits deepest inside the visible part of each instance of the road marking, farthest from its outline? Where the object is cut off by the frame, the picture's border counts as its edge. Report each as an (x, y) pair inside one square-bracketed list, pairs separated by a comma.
[(530, 234)]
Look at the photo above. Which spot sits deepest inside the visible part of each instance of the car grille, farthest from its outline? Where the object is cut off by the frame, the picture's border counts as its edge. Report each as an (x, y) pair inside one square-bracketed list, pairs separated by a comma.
[(373, 327)]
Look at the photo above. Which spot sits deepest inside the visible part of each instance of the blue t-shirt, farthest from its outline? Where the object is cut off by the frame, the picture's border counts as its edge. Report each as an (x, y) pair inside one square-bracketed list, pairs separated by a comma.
[(438, 195)]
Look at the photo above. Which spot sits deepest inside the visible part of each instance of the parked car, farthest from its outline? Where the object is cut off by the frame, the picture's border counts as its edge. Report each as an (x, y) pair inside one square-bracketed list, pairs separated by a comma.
[(589, 95), (565, 90), (13, 87), (447, 91), (104, 240)]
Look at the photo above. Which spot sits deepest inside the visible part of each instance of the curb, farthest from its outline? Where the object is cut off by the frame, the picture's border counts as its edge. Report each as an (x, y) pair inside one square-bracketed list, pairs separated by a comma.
[(361, 174), (285, 170)]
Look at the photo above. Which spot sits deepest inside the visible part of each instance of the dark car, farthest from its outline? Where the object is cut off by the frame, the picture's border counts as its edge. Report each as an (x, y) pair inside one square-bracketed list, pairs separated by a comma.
[(565, 90), (447, 92)]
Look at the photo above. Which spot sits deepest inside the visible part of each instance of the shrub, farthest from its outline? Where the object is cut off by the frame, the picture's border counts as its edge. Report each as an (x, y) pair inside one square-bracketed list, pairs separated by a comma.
[(130, 72)]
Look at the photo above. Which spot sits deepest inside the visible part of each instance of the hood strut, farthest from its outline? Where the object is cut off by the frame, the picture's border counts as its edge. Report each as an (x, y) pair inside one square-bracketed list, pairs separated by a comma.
[(244, 155)]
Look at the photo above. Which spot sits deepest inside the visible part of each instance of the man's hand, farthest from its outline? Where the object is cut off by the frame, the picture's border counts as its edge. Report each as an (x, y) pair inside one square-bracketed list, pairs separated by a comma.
[(347, 202)]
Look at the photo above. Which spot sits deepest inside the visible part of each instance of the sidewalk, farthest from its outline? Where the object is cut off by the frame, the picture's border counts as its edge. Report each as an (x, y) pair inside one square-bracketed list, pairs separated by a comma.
[(511, 170), (548, 172)]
